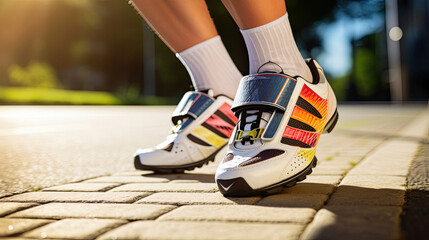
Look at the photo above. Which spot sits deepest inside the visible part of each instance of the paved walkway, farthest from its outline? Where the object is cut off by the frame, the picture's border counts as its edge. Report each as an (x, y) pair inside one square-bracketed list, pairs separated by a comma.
[(357, 191)]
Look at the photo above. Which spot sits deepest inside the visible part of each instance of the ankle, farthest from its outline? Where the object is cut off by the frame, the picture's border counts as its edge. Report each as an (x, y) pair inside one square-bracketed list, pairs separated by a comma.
[(274, 42)]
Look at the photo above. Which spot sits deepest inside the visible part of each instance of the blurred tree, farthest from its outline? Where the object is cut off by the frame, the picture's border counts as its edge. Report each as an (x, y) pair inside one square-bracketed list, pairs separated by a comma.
[(360, 8), (97, 44), (34, 75), (93, 45), (369, 68)]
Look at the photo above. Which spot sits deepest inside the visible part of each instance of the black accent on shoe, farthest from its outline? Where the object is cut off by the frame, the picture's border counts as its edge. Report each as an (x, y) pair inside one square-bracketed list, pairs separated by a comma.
[(169, 147), (269, 62), (228, 157), (314, 71), (197, 140), (262, 156), (332, 122), (224, 117), (302, 103), (300, 125), (214, 130), (175, 168), (238, 187), (294, 142)]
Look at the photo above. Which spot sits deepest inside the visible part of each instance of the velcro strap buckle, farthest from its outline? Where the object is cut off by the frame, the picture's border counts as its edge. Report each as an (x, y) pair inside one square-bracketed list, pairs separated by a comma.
[(264, 89), (192, 105), (249, 135)]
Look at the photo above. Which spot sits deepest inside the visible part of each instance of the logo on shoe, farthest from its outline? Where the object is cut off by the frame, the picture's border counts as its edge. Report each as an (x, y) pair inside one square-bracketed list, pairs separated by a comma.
[(226, 188)]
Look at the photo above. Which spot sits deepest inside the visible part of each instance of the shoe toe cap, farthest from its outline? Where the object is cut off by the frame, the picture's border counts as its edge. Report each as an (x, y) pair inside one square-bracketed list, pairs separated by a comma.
[(150, 157), (258, 170)]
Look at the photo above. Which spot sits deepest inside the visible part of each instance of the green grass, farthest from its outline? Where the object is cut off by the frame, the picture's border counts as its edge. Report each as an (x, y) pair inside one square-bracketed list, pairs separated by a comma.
[(353, 164), (29, 95)]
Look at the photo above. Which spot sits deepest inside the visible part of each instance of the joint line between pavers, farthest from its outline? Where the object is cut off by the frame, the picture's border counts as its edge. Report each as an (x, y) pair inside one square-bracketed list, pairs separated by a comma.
[(21, 209), (30, 229), (140, 198)]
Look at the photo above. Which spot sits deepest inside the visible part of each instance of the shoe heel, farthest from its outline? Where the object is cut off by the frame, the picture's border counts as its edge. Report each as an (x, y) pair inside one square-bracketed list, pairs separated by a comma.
[(331, 123)]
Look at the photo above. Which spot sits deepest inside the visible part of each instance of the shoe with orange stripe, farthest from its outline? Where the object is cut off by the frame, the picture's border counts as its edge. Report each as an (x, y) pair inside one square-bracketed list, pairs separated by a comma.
[(203, 125), (280, 121)]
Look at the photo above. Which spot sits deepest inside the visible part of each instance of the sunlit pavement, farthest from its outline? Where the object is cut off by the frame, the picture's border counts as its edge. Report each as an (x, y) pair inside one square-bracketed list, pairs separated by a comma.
[(357, 191), (45, 146)]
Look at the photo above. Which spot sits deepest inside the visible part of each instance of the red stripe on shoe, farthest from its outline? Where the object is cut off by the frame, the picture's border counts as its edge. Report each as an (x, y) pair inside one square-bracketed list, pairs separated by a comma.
[(220, 125), (309, 138), (226, 110)]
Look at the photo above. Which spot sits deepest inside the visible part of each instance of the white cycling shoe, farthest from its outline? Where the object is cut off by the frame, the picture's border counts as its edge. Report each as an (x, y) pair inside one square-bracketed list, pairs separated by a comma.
[(280, 121), (203, 125)]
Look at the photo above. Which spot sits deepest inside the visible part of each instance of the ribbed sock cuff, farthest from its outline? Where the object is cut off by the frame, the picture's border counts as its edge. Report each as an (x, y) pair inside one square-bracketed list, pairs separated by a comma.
[(211, 67)]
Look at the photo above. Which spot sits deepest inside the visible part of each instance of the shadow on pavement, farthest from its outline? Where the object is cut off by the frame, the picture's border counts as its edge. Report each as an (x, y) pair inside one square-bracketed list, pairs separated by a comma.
[(200, 177), (351, 212), (415, 219)]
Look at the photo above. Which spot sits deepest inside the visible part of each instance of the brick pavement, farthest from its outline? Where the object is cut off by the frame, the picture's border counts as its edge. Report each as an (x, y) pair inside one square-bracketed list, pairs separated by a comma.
[(356, 192)]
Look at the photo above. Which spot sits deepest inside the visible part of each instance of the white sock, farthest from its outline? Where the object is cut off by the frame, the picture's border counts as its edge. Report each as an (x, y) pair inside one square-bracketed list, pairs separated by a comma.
[(211, 67), (274, 42)]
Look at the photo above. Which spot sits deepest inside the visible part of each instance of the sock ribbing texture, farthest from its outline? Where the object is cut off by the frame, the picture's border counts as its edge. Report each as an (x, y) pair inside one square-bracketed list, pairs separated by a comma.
[(274, 42), (210, 67)]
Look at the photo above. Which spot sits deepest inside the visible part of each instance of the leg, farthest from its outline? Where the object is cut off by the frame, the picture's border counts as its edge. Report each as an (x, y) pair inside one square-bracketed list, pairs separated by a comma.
[(203, 122), (254, 13), (268, 36), (179, 25), (187, 28)]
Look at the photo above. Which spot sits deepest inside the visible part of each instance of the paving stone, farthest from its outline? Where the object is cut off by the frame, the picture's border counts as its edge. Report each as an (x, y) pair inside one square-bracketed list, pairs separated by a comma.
[(310, 188), (204, 230), (74, 228), (189, 176), (375, 182), (240, 213), (99, 197), (167, 187), (324, 179), (340, 162), (11, 207), (9, 226), (99, 210), (83, 187), (184, 181), (331, 170), (392, 158), (354, 154), (314, 201), (205, 170), (395, 168), (351, 222), (195, 198), (15, 238), (356, 196), (128, 179), (133, 173)]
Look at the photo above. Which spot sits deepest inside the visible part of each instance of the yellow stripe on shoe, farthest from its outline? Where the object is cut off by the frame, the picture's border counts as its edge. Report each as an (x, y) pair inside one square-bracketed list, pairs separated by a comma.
[(209, 136), (307, 154)]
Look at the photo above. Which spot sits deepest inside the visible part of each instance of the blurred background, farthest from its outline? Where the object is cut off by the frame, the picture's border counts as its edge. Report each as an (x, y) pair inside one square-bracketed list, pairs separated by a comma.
[(102, 52)]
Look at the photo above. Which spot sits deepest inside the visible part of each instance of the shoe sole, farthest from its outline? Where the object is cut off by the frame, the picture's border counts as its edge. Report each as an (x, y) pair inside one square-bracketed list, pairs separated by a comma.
[(238, 187), (176, 168)]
